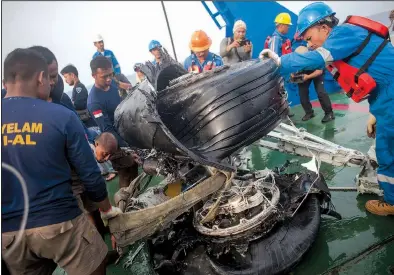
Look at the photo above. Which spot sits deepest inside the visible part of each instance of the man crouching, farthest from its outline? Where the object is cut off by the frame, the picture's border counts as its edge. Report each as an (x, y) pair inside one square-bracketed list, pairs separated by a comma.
[(123, 161)]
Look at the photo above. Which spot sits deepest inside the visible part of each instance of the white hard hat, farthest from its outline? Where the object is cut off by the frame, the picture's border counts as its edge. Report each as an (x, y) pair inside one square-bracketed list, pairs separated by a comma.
[(98, 38)]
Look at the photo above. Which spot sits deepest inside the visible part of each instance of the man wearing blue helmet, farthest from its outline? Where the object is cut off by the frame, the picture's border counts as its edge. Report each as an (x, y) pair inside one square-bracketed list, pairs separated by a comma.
[(360, 57), (154, 46)]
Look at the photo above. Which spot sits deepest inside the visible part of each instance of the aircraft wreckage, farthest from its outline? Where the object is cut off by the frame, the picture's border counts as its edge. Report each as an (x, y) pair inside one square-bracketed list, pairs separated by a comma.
[(191, 128)]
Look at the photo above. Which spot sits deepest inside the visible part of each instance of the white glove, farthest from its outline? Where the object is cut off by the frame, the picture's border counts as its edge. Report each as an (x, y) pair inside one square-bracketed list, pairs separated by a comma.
[(111, 213), (267, 52)]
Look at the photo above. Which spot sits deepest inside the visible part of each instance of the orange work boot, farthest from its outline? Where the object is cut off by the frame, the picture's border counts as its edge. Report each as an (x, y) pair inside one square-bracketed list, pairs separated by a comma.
[(380, 208)]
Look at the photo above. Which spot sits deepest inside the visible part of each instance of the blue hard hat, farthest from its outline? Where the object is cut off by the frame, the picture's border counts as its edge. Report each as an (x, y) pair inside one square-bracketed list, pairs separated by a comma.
[(154, 44), (311, 14)]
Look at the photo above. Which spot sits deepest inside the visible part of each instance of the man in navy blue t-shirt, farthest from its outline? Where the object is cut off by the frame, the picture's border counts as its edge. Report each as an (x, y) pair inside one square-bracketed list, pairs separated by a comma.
[(79, 94), (102, 101), (104, 97), (41, 141)]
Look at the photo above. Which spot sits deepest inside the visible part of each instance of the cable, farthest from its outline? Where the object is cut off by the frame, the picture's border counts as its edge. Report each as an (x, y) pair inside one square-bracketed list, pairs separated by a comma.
[(318, 168), (25, 211)]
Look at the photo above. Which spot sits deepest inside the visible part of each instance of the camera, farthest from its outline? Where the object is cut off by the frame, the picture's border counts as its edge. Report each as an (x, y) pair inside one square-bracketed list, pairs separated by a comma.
[(243, 42), (297, 77)]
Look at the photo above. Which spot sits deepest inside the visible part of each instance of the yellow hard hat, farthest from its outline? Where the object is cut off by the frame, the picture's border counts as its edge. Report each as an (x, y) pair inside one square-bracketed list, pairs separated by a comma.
[(283, 18)]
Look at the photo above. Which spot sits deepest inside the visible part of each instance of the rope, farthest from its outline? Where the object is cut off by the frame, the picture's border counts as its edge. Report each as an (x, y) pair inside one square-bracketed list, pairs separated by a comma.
[(314, 157), (25, 210)]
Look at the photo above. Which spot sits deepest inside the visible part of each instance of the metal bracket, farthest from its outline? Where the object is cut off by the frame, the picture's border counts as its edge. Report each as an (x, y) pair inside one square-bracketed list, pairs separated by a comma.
[(289, 139)]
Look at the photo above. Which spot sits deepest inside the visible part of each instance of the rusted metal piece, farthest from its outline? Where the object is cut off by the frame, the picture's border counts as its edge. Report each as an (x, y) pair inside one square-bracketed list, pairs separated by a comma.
[(130, 227)]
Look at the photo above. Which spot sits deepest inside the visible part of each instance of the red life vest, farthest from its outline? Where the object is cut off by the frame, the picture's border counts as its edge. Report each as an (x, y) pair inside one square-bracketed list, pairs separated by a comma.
[(356, 83), (286, 46), (267, 42)]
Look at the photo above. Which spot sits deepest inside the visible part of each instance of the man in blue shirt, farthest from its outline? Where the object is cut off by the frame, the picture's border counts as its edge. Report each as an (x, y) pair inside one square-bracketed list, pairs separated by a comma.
[(318, 26), (104, 97), (79, 94), (102, 101), (279, 42), (154, 47), (41, 141), (279, 39), (120, 80), (87, 206), (99, 44), (201, 58)]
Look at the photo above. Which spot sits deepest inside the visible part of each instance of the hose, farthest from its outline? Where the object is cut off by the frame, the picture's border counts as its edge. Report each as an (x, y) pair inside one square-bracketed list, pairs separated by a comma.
[(25, 211)]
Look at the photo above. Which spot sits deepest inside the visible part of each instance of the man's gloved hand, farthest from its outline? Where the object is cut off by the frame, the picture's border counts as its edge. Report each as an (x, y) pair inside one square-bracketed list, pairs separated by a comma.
[(371, 126), (109, 214), (270, 54)]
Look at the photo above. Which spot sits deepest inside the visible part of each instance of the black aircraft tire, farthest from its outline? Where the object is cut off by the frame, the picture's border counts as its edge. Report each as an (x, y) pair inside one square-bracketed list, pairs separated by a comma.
[(281, 250), (227, 108)]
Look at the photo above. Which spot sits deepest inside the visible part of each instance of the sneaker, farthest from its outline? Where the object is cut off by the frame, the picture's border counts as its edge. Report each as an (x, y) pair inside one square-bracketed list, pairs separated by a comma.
[(328, 117), (290, 114), (308, 116), (380, 208)]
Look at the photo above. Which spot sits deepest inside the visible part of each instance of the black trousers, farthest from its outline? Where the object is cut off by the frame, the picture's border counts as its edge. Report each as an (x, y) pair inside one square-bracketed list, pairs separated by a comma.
[(325, 101)]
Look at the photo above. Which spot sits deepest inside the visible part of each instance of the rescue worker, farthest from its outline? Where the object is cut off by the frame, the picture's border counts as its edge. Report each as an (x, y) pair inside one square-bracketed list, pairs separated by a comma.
[(79, 94), (125, 161), (106, 168), (317, 77), (154, 46), (102, 102), (40, 139), (201, 58), (237, 48), (120, 79), (353, 46), (87, 206), (99, 44), (56, 84), (56, 95), (279, 42)]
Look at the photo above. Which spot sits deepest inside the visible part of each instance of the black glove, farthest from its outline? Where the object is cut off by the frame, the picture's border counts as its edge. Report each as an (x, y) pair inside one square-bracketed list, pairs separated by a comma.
[(297, 78)]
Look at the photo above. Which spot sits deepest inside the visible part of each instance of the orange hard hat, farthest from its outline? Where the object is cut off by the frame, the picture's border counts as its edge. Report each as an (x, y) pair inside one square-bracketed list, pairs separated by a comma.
[(200, 41)]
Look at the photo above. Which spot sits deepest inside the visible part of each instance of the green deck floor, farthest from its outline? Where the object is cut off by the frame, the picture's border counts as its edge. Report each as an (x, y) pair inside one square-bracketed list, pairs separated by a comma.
[(338, 244)]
